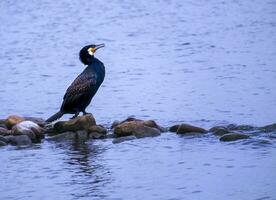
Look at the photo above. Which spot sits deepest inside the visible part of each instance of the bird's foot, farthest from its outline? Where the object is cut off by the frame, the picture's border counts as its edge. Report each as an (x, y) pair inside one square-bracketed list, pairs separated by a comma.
[(75, 115), (86, 113)]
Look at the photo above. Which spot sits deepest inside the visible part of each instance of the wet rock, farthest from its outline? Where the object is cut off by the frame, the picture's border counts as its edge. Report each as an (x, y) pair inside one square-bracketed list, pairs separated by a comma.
[(123, 139), (219, 130), (233, 137), (235, 127), (145, 131), (174, 128), (4, 131), (115, 123), (30, 129), (13, 120), (78, 136), (186, 128), (269, 128), (96, 132), (19, 140), (79, 123)]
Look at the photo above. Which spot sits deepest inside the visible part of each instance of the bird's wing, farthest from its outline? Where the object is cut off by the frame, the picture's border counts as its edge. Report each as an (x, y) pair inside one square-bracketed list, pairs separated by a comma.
[(82, 85)]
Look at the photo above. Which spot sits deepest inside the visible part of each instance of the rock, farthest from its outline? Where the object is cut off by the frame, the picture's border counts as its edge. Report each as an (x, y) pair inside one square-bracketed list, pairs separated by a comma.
[(219, 130), (174, 128), (39, 121), (4, 131), (269, 128), (115, 123), (79, 136), (126, 128), (2, 143), (186, 128), (123, 139), (13, 120), (233, 127), (19, 140), (96, 132), (3, 123), (29, 128), (153, 124), (145, 131), (233, 137), (79, 123), (4, 139)]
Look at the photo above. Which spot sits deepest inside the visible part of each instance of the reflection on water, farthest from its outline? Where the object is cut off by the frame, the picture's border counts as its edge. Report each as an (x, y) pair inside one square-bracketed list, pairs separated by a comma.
[(202, 61)]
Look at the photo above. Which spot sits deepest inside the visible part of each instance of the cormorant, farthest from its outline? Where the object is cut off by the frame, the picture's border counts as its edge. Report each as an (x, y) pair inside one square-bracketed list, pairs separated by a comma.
[(80, 93)]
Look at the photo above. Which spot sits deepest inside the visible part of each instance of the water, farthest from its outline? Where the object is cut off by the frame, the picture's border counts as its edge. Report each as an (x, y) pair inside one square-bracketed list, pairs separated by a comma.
[(205, 62)]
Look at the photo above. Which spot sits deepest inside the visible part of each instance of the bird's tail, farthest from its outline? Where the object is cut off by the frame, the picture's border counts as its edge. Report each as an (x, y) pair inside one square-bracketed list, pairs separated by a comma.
[(55, 117)]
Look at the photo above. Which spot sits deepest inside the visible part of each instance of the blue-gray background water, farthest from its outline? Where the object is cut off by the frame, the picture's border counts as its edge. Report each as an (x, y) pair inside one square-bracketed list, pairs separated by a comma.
[(204, 62)]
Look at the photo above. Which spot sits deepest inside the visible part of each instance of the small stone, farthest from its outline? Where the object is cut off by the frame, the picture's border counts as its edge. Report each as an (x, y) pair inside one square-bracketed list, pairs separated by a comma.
[(233, 137), (219, 130), (79, 123), (145, 131), (4, 131), (123, 139), (13, 120), (115, 123), (186, 128), (174, 128), (20, 140)]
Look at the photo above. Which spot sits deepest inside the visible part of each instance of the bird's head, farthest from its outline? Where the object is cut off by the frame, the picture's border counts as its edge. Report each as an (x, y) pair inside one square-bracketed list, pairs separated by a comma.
[(87, 53)]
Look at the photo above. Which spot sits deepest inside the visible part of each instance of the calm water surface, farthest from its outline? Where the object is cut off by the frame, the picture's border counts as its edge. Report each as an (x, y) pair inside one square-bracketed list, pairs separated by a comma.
[(205, 62)]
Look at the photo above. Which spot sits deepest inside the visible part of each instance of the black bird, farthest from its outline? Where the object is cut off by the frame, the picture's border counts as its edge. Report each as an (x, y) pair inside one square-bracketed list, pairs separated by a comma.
[(80, 93)]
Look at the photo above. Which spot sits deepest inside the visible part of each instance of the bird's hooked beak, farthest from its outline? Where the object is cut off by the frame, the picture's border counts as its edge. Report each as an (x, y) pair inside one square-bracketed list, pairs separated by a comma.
[(92, 50)]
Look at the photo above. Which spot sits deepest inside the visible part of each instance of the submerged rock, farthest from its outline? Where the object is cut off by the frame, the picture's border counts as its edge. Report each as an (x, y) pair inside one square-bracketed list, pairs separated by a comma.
[(96, 132), (145, 131), (123, 139), (174, 128), (3, 139), (30, 129), (219, 130), (269, 128), (79, 123), (19, 140), (233, 137), (235, 127), (186, 128), (2, 143), (78, 136), (13, 120), (4, 131)]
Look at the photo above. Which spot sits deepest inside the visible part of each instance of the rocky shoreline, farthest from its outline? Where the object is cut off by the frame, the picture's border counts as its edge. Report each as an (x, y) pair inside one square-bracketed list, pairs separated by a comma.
[(16, 130)]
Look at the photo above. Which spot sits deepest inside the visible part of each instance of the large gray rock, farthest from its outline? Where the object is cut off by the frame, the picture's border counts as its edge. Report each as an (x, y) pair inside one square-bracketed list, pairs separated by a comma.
[(233, 137), (79, 123), (187, 128), (19, 140)]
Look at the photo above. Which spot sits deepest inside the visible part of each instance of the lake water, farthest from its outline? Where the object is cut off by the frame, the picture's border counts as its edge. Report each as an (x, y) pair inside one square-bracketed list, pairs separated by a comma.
[(202, 62)]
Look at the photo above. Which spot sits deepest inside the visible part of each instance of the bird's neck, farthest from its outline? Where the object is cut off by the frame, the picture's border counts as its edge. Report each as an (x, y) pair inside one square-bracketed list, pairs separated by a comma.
[(98, 67)]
